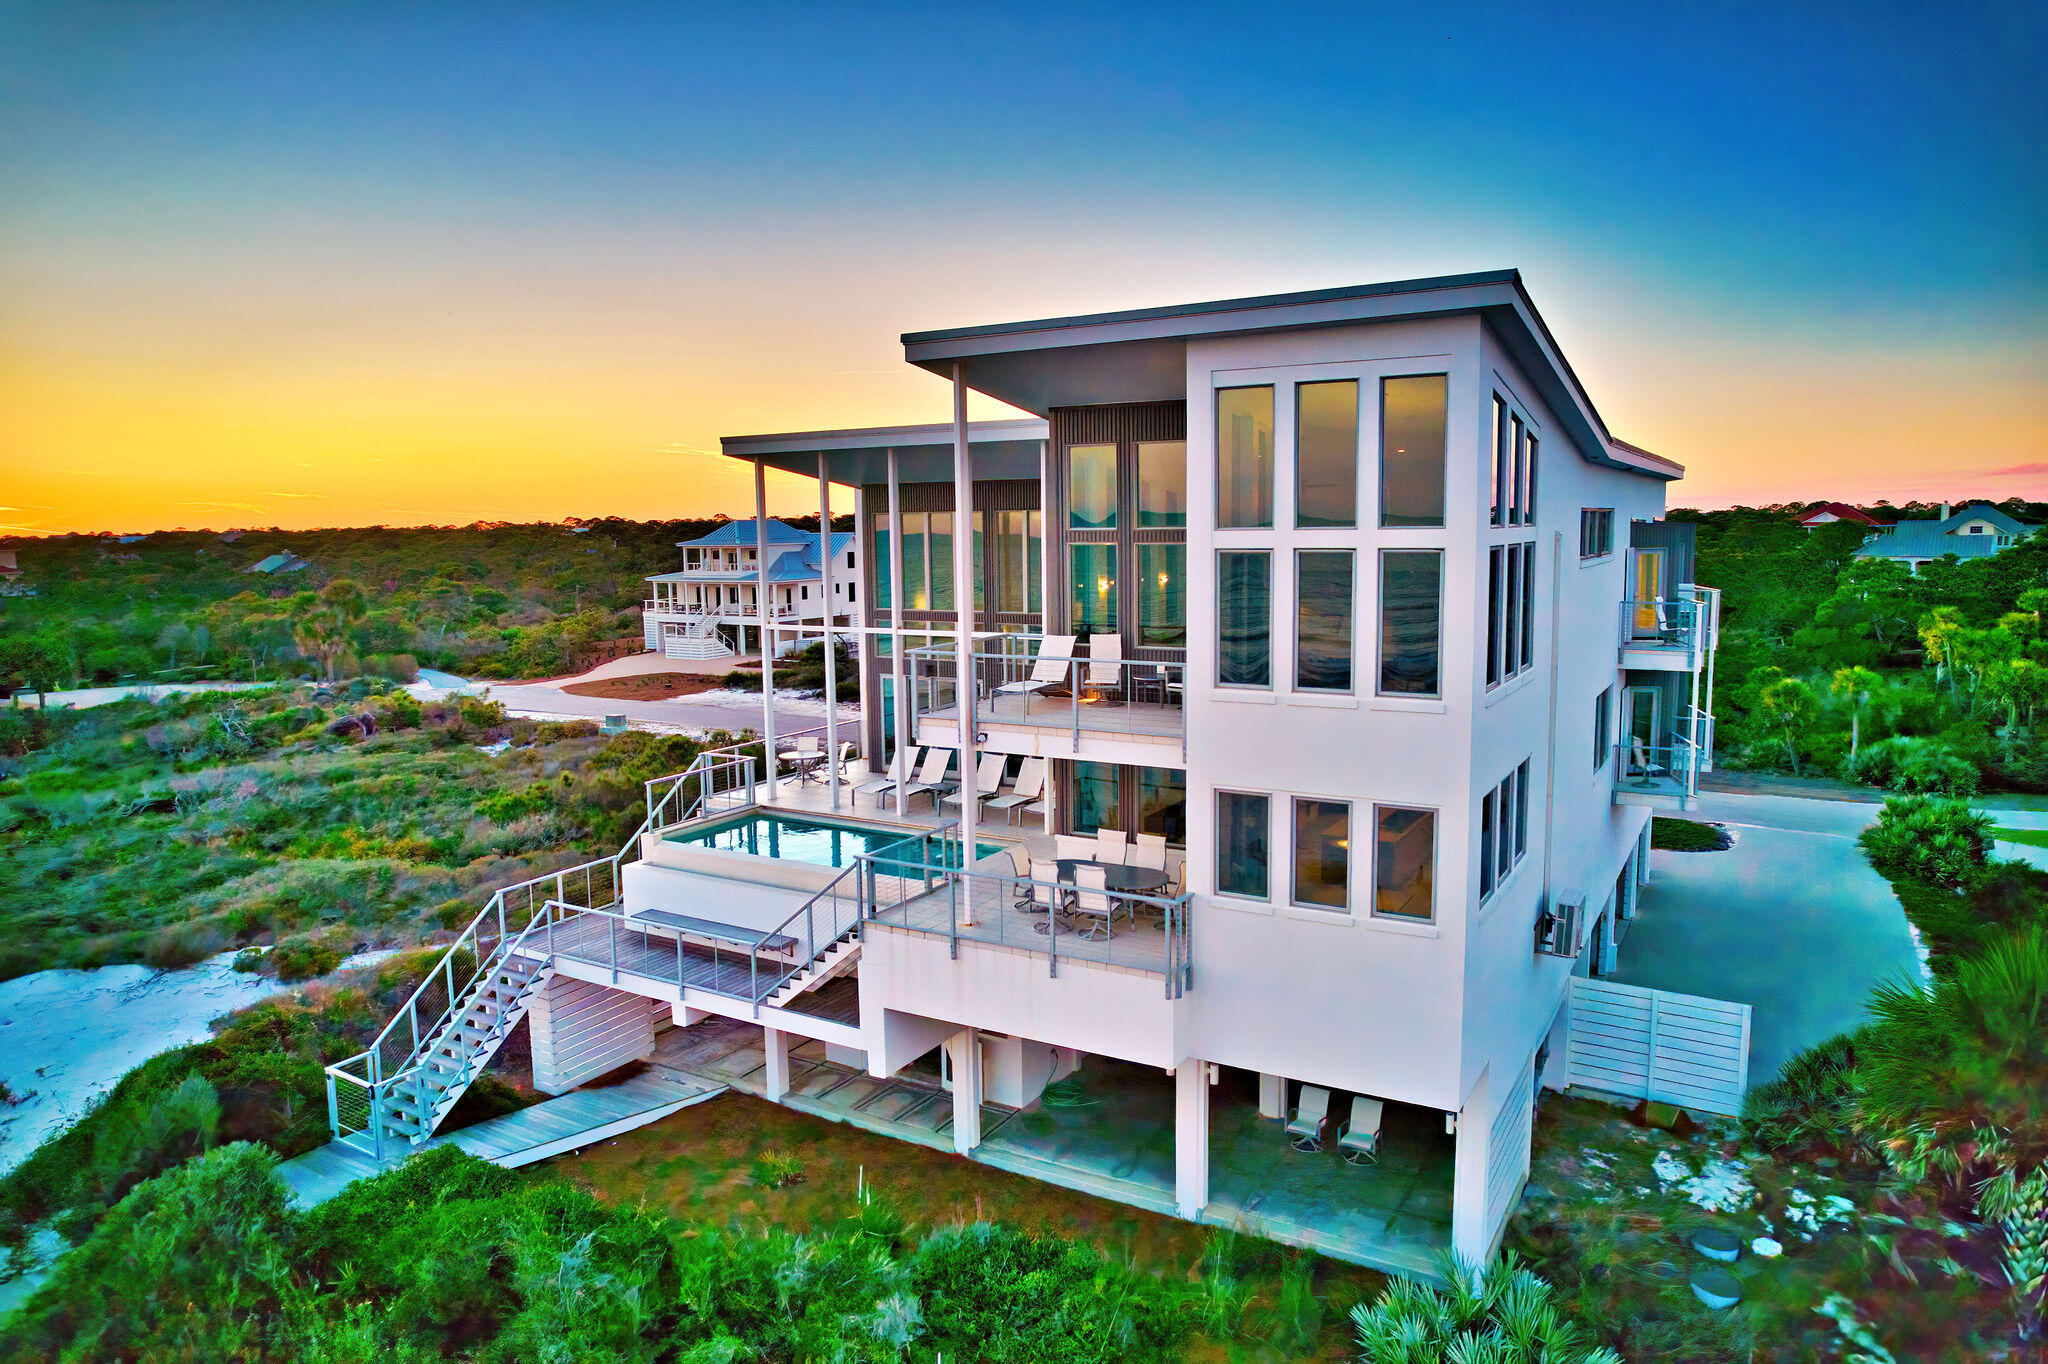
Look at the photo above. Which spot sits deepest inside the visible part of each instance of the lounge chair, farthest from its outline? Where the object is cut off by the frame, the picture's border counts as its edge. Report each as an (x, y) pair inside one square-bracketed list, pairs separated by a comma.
[(1305, 1124), (1106, 664), (1092, 902), (886, 783), (1359, 1137), (988, 779), (1148, 850), (1111, 845), (1047, 672), (1030, 787), (931, 778)]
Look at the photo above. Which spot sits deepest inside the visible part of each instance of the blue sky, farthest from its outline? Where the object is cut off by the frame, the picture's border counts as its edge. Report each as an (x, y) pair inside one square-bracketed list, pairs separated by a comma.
[(1803, 250)]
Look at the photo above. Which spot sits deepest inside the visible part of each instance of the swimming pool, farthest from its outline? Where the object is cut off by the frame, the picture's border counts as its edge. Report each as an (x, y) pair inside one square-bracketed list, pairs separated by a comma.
[(822, 842)]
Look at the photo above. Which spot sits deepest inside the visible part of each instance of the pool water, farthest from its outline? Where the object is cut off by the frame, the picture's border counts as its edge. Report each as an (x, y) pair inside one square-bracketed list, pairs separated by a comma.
[(823, 842)]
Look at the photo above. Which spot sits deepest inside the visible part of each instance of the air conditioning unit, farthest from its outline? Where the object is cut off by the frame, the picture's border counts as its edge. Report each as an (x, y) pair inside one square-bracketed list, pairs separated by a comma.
[(1559, 929)]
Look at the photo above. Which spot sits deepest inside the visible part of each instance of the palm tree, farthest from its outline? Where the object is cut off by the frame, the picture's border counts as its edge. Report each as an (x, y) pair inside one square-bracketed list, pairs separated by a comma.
[(1855, 685), (323, 631)]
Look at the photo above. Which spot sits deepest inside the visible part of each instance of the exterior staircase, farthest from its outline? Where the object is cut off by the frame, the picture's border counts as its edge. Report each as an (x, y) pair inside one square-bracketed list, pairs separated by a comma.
[(834, 961), (696, 637), (462, 1046)]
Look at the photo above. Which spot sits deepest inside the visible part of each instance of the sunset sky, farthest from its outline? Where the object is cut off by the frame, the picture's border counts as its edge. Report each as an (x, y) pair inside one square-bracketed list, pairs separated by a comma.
[(311, 264)]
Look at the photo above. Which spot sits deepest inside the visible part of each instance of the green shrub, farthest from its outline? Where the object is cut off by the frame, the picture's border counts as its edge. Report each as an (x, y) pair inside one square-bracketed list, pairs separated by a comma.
[(307, 955), (1501, 1313), (777, 1169), (1937, 841), (1810, 1105), (1687, 835), (1916, 766)]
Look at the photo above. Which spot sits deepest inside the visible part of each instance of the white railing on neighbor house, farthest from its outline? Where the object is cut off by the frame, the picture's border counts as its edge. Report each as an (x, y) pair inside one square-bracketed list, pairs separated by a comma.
[(1015, 683)]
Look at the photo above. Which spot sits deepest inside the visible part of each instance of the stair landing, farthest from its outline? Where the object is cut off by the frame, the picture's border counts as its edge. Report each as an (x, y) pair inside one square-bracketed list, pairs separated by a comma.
[(532, 1134)]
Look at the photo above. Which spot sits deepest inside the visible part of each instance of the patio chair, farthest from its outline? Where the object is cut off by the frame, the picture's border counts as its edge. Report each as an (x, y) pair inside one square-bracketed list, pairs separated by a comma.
[(1073, 848), (1049, 670), (1030, 786), (1305, 1124), (1106, 664), (931, 778), (1093, 903), (1044, 895), (1111, 845), (1359, 1137), (988, 779), (1643, 770), (1148, 850), (886, 783)]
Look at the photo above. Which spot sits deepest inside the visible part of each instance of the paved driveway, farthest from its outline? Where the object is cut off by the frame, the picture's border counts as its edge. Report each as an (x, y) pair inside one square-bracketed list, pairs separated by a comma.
[(1791, 921)]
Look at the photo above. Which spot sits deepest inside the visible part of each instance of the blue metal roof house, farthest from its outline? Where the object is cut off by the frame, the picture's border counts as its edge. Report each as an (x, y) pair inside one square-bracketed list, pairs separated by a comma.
[(710, 609), (1976, 532)]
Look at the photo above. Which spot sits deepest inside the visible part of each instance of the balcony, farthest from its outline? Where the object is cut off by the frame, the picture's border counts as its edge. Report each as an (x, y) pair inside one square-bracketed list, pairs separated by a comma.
[(1668, 634), (1663, 776), (1101, 708)]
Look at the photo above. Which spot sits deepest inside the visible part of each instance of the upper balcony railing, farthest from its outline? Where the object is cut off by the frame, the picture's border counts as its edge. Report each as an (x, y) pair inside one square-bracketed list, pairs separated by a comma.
[(1018, 681), (1644, 771), (1671, 624)]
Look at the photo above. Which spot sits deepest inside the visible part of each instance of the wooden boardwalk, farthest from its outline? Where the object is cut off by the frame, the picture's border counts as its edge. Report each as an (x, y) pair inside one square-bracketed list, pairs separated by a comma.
[(574, 1120)]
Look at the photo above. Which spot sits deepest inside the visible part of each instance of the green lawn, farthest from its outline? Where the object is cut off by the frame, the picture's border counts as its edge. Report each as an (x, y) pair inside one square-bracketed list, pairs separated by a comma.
[(2033, 838)]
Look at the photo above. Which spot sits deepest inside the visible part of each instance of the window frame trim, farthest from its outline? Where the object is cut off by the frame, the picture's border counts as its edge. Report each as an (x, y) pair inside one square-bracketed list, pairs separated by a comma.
[(1351, 628), (1350, 804), (1435, 814), (1265, 902), (1379, 620)]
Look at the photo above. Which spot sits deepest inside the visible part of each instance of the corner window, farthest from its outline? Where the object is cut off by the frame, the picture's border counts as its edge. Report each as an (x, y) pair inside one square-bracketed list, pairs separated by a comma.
[(1411, 612), (1322, 853), (1244, 456), (1322, 628), (1326, 453), (1510, 611), (1243, 822), (1412, 418), (1244, 618), (1404, 863), (1503, 829)]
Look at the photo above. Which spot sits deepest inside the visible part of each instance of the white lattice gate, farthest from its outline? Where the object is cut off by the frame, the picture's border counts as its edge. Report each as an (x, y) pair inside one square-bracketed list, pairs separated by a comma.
[(1653, 1044)]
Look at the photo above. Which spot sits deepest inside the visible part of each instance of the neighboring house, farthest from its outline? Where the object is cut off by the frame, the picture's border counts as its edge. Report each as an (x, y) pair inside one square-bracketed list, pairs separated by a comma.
[(711, 609), (278, 563), (1977, 531), (1838, 511), (1344, 638), (13, 582)]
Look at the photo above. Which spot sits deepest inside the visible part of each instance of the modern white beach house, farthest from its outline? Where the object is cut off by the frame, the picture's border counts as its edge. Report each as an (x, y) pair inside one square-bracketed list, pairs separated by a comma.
[(711, 607), (1257, 752)]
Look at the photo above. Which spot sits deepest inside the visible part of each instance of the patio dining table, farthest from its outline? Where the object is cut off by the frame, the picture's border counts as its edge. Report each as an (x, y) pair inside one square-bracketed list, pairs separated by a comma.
[(1117, 876)]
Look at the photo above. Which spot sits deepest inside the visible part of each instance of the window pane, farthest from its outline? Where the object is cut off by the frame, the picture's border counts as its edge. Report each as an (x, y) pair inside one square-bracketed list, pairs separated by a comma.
[(1528, 603), (916, 590), (1486, 804), (1244, 618), (1094, 580), (1163, 594), (1162, 483), (1322, 658), (1244, 456), (1010, 554), (1326, 454), (1409, 580), (1241, 825), (1503, 835), (880, 558), (1412, 415), (978, 551), (1405, 879), (1095, 801), (1493, 572), (1163, 803), (1091, 487), (1529, 485), (1500, 454), (942, 561), (1322, 853), (1511, 649), (1034, 563), (1522, 808)]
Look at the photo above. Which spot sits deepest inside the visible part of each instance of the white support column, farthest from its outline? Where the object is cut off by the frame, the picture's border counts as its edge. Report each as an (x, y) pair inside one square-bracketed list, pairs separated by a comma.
[(963, 1051), (1272, 1096), (899, 698), (1047, 576), (963, 653), (1469, 1236), (825, 557), (769, 762), (777, 1043), (857, 616), (1191, 1137)]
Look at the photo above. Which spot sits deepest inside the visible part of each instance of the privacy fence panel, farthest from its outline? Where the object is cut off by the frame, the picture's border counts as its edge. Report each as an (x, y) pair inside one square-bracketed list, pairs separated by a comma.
[(1654, 1044)]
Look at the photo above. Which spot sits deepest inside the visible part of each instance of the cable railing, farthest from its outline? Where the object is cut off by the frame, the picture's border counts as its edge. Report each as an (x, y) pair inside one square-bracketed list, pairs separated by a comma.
[(921, 884), (1661, 623), (1017, 682), (1670, 769)]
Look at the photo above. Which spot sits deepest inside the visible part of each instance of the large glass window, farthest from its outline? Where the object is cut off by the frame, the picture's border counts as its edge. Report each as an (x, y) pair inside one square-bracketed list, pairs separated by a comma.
[(1326, 453), (1322, 853), (1404, 878), (1091, 487), (1095, 797), (1163, 803), (1017, 560), (1094, 583), (1412, 416), (1410, 621), (1322, 631), (942, 561), (1163, 595), (916, 582), (1162, 484), (881, 558), (1244, 618), (1242, 828), (1498, 460), (1244, 456)]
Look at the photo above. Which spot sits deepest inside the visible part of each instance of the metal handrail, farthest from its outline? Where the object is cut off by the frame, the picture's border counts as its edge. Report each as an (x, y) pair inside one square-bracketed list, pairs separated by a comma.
[(1675, 622), (994, 669)]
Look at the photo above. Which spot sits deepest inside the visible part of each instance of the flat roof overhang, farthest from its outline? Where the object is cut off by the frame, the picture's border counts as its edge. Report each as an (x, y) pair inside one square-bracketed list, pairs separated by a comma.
[(1140, 355), (924, 454)]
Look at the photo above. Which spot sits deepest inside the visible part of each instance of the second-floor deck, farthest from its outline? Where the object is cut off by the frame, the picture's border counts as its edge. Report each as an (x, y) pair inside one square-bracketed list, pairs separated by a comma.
[(1039, 695)]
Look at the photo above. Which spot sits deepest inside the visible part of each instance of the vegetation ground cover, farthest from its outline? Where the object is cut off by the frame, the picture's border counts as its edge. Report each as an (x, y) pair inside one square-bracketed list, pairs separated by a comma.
[(1687, 835)]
